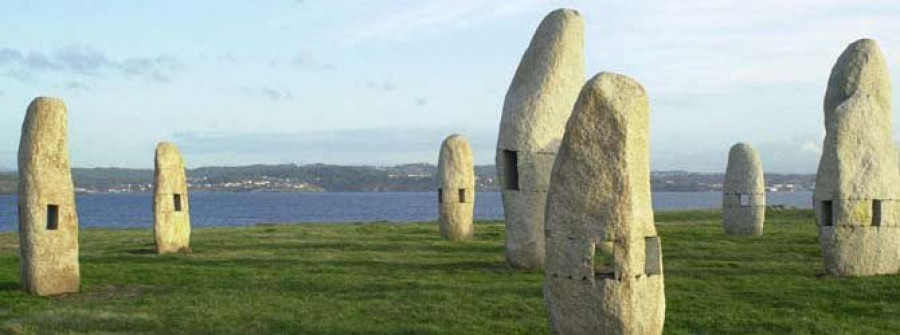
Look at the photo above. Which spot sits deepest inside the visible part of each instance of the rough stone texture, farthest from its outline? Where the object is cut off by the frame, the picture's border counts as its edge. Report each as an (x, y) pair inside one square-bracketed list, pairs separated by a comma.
[(604, 261), (857, 183), (456, 195), (744, 194), (49, 254), (537, 105), (171, 225)]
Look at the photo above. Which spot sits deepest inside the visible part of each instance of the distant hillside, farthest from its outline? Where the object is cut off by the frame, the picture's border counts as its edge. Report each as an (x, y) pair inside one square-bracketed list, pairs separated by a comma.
[(336, 178)]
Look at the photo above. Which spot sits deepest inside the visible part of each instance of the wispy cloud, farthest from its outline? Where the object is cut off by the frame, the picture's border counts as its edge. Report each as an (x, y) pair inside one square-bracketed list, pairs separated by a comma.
[(307, 61), (85, 61), (270, 93), (401, 22), (76, 86)]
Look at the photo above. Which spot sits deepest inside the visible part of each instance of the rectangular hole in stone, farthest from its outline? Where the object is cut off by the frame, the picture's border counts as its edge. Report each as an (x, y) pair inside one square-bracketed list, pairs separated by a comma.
[(603, 260), (745, 200), (876, 212), (462, 195), (176, 199), (52, 217), (510, 169), (652, 263), (440, 195), (827, 213)]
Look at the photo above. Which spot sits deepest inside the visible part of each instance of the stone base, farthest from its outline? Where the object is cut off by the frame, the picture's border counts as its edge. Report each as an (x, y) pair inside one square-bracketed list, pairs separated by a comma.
[(602, 305), (525, 229), (860, 250), (744, 220)]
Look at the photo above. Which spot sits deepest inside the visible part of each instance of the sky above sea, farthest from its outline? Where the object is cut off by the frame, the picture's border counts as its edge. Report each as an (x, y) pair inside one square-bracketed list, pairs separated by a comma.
[(383, 82)]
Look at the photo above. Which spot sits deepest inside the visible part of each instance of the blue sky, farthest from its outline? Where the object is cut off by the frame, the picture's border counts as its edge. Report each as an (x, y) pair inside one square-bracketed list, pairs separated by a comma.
[(383, 82)]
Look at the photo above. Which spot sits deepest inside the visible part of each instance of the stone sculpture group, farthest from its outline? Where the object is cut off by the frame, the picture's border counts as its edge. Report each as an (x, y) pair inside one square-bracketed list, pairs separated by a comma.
[(48, 219), (573, 160)]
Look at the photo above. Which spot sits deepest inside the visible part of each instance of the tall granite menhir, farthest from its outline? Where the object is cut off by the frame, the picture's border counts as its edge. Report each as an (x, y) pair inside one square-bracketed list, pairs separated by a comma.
[(171, 212), (537, 105), (858, 181), (456, 195), (604, 271), (744, 194), (48, 223)]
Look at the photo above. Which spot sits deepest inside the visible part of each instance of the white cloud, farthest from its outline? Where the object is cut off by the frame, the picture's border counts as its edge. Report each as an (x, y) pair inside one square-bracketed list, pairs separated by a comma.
[(439, 15)]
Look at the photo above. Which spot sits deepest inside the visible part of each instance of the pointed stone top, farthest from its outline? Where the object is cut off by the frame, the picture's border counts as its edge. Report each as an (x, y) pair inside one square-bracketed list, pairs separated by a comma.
[(545, 86), (609, 88), (861, 69), (744, 173), (743, 149), (563, 14), (455, 148), (167, 148), (858, 128), (454, 138), (168, 156), (603, 165), (47, 101)]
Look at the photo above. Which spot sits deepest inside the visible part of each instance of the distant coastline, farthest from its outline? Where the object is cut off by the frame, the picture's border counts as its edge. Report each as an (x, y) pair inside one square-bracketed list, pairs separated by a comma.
[(292, 178)]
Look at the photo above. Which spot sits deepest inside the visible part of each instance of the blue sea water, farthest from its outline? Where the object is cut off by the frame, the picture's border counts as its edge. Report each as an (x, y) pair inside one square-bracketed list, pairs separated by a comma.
[(243, 209)]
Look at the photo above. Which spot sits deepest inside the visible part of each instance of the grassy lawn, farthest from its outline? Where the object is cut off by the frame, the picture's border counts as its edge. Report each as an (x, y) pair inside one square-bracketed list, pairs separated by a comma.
[(396, 279)]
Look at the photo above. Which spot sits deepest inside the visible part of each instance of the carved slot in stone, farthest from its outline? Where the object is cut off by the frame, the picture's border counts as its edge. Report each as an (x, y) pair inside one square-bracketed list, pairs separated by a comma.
[(52, 217), (827, 215), (876, 212), (440, 195), (745, 200), (652, 264), (176, 198), (603, 261), (462, 195), (511, 169)]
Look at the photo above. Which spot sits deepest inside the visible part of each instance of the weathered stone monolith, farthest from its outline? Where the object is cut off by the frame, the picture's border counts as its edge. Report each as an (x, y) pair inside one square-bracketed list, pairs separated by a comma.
[(744, 192), (857, 184), (604, 271), (48, 222), (537, 105), (456, 195), (171, 212)]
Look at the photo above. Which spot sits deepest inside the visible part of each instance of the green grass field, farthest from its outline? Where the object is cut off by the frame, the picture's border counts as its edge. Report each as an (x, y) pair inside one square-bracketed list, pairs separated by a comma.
[(403, 279)]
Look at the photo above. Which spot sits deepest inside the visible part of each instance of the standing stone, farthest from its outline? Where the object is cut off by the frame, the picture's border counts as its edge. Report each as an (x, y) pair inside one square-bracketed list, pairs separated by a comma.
[(537, 105), (48, 222), (604, 271), (456, 196), (744, 196), (171, 212), (857, 183)]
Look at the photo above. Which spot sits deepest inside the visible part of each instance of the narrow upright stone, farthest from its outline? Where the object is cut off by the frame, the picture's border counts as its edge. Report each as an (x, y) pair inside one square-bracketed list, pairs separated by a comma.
[(456, 195), (604, 271), (744, 194), (48, 222), (171, 212), (537, 105), (857, 183)]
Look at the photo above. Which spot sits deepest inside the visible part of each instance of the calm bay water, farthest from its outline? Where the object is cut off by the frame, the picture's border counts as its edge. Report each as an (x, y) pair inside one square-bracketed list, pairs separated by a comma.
[(243, 209)]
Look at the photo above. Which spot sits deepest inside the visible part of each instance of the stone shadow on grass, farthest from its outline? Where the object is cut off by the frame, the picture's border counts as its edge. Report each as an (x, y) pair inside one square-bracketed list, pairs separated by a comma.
[(10, 286), (141, 251)]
